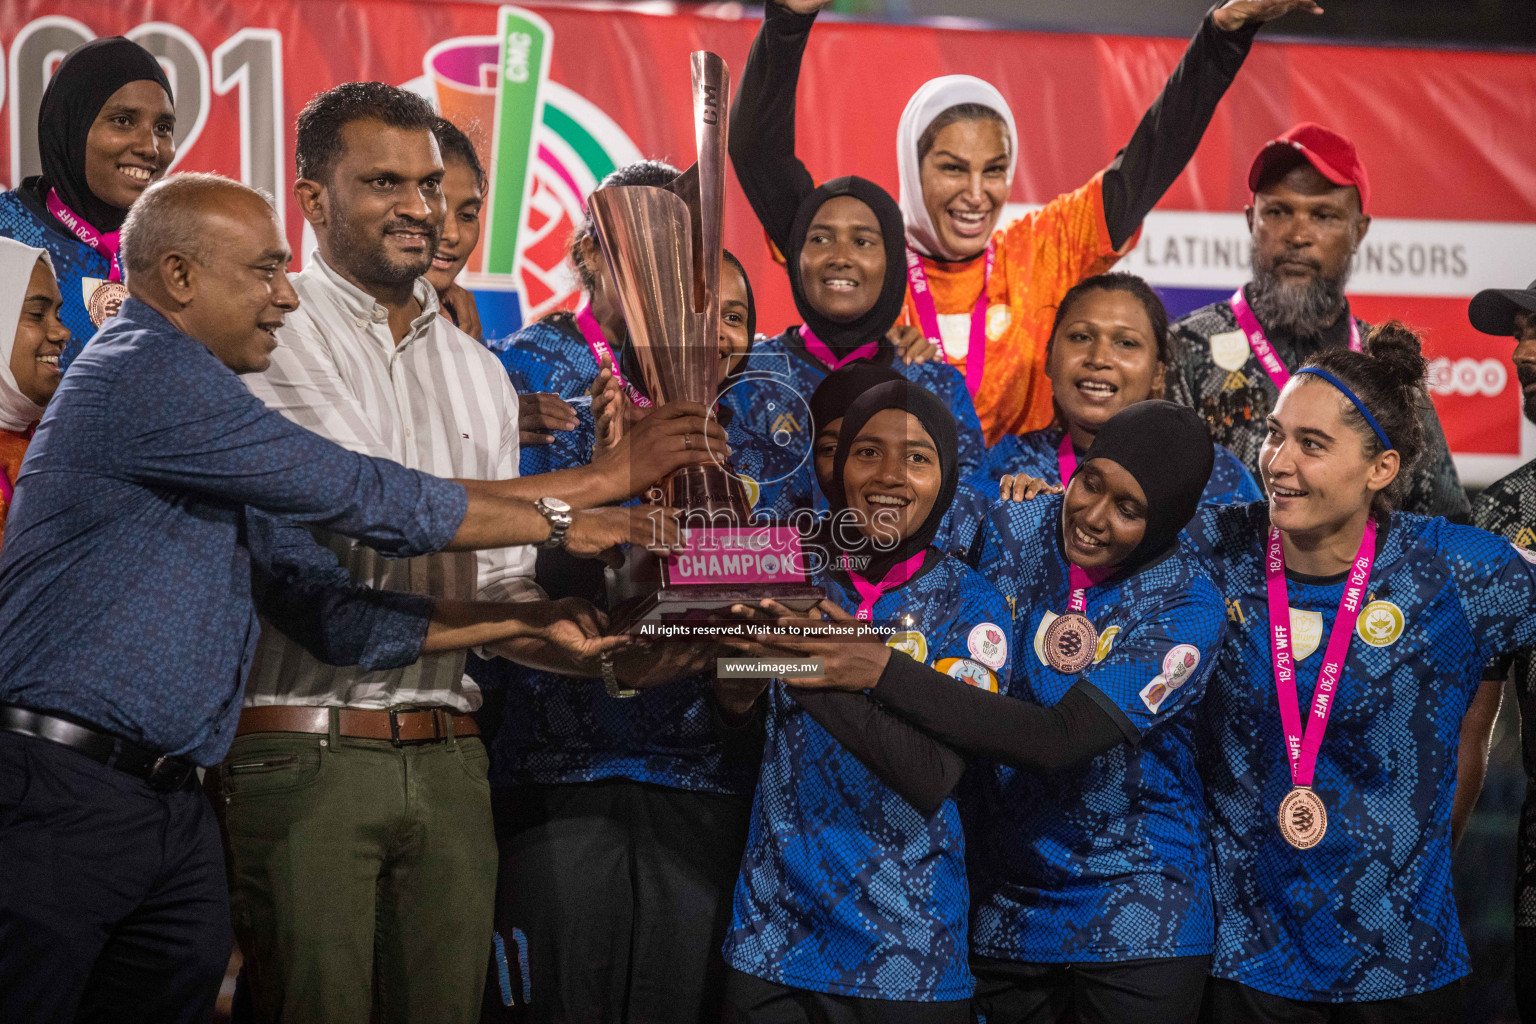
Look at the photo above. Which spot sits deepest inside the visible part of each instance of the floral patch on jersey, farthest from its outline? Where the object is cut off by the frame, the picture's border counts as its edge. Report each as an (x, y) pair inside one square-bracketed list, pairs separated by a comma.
[(1106, 643), (1155, 692), (1306, 632), (1229, 350), (911, 643), (1380, 624), (1524, 552), (968, 671), (1179, 664), (988, 644)]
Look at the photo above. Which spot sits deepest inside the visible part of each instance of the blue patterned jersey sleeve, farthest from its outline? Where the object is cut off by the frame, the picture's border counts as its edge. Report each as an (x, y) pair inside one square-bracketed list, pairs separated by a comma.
[(1496, 580), (551, 355), (1159, 666), (947, 383), (979, 633), (1230, 482)]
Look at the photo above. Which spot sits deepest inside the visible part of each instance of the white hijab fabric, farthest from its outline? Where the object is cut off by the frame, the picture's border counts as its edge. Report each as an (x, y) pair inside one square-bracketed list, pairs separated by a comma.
[(934, 97), (17, 411)]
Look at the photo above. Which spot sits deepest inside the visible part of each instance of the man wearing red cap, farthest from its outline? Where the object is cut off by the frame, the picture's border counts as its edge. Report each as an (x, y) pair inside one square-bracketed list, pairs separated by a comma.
[(1310, 196), (1508, 508)]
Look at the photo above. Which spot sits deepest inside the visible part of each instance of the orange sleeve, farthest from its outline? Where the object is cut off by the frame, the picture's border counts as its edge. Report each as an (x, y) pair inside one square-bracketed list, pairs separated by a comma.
[(1067, 240)]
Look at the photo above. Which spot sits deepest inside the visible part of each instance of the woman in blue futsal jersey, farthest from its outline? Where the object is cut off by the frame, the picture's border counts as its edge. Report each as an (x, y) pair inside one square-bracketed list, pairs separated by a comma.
[(1108, 350), (1090, 892), (846, 267), (1358, 638)]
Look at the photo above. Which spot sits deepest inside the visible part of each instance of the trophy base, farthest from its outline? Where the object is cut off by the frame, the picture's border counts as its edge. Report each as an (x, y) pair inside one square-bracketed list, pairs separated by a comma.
[(698, 602)]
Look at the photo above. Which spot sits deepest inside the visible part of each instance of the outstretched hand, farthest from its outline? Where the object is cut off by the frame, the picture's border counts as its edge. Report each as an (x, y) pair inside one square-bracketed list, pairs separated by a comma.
[(911, 344), (1241, 12), (847, 663), (1023, 487)]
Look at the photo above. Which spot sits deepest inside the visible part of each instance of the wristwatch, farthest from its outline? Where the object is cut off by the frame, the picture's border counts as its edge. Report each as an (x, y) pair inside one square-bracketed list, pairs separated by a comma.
[(611, 680), (560, 518)]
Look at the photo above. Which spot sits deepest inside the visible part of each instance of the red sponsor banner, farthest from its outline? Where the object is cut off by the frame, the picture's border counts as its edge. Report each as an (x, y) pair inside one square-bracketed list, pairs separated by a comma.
[(1443, 133)]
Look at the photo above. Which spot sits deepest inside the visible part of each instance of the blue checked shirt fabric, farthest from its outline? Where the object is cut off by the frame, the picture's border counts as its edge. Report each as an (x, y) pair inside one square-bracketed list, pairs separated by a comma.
[(1368, 913), (845, 887), (1109, 860), (126, 576)]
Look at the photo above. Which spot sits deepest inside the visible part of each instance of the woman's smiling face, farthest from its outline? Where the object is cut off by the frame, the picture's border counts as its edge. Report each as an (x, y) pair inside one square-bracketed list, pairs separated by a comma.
[(892, 471), (842, 263)]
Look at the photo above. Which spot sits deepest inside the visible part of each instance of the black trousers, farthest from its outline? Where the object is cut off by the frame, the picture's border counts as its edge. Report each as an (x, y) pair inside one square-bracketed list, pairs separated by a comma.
[(1163, 990), (1228, 1002), (1525, 974), (612, 902), (113, 904), (753, 1000)]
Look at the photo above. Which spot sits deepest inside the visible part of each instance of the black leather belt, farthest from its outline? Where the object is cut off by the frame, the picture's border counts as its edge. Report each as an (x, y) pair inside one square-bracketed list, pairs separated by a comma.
[(164, 773)]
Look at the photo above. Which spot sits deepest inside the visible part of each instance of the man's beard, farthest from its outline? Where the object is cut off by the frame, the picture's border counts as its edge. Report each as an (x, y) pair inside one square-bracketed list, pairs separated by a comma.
[(1526, 375), (1305, 310), (365, 257)]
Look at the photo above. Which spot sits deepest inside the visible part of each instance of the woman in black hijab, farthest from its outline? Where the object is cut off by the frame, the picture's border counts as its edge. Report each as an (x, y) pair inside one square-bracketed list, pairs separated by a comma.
[(1114, 631), (105, 133), (845, 253)]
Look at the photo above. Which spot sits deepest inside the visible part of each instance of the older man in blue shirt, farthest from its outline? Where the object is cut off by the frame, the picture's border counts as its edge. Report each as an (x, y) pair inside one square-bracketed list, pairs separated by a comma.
[(142, 519)]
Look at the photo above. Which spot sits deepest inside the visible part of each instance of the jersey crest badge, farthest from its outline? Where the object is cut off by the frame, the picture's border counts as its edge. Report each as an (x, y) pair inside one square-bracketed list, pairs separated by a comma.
[(1106, 643), (1229, 350), (1306, 632), (988, 644), (1381, 623)]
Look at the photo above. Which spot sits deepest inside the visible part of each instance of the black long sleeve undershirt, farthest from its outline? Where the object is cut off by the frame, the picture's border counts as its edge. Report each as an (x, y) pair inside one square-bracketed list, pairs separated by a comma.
[(1171, 129), (762, 136), (992, 727)]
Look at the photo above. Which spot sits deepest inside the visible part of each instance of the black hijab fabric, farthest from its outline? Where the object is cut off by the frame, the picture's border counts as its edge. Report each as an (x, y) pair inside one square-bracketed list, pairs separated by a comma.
[(939, 422), (844, 338), (85, 80), (1167, 448), (841, 388)]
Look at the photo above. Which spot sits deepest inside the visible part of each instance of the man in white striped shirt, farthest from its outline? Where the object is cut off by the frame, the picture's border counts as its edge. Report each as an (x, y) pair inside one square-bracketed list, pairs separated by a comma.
[(363, 865)]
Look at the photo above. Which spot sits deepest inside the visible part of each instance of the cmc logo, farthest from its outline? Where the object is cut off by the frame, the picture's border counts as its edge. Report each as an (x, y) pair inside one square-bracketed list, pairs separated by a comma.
[(1470, 377)]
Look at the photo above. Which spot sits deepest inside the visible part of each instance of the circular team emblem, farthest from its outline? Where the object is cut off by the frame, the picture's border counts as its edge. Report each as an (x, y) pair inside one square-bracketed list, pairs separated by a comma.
[(968, 671), (1179, 663), (751, 487), (1381, 623), (106, 300), (988, 645), (999, 317), (911, 643), (1106, 643), (1070, 643), (1303, 818)]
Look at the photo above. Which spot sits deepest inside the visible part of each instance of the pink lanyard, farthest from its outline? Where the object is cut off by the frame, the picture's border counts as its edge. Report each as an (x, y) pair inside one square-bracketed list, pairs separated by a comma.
[(598, 343), (7, 489), (1263, 351), (1079, 580), (1066, 459), (822, 351), (928, 316), (869, 592), (106, 244), (1302, 747)]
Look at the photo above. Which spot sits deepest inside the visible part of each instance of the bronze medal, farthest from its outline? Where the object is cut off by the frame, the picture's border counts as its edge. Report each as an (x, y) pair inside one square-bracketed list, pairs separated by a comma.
[(1303, 818), (1070, 642), (106, 300)]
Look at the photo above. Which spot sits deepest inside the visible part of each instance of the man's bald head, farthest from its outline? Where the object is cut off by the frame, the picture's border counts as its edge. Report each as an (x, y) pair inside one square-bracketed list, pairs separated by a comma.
[(184, 214), (207, 254)]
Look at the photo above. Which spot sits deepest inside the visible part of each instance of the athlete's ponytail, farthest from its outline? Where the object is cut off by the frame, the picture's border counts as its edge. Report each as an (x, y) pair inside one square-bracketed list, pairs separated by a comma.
[(1389, 379)]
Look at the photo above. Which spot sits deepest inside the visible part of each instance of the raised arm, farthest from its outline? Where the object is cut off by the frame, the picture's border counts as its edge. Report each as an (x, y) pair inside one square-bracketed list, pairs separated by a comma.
[(1171, 129), (762, 136)]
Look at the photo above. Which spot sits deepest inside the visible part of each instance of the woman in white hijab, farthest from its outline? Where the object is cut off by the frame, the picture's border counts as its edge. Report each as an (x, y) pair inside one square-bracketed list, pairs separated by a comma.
[(982, 294), (31, 339)]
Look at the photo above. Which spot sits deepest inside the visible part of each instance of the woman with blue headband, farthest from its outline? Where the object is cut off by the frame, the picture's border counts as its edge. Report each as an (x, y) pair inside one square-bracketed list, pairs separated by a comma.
[(1357, 638)]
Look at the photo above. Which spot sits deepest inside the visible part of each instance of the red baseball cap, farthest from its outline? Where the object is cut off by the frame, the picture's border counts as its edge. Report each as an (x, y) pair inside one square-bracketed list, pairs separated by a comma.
[(1332, 154)]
